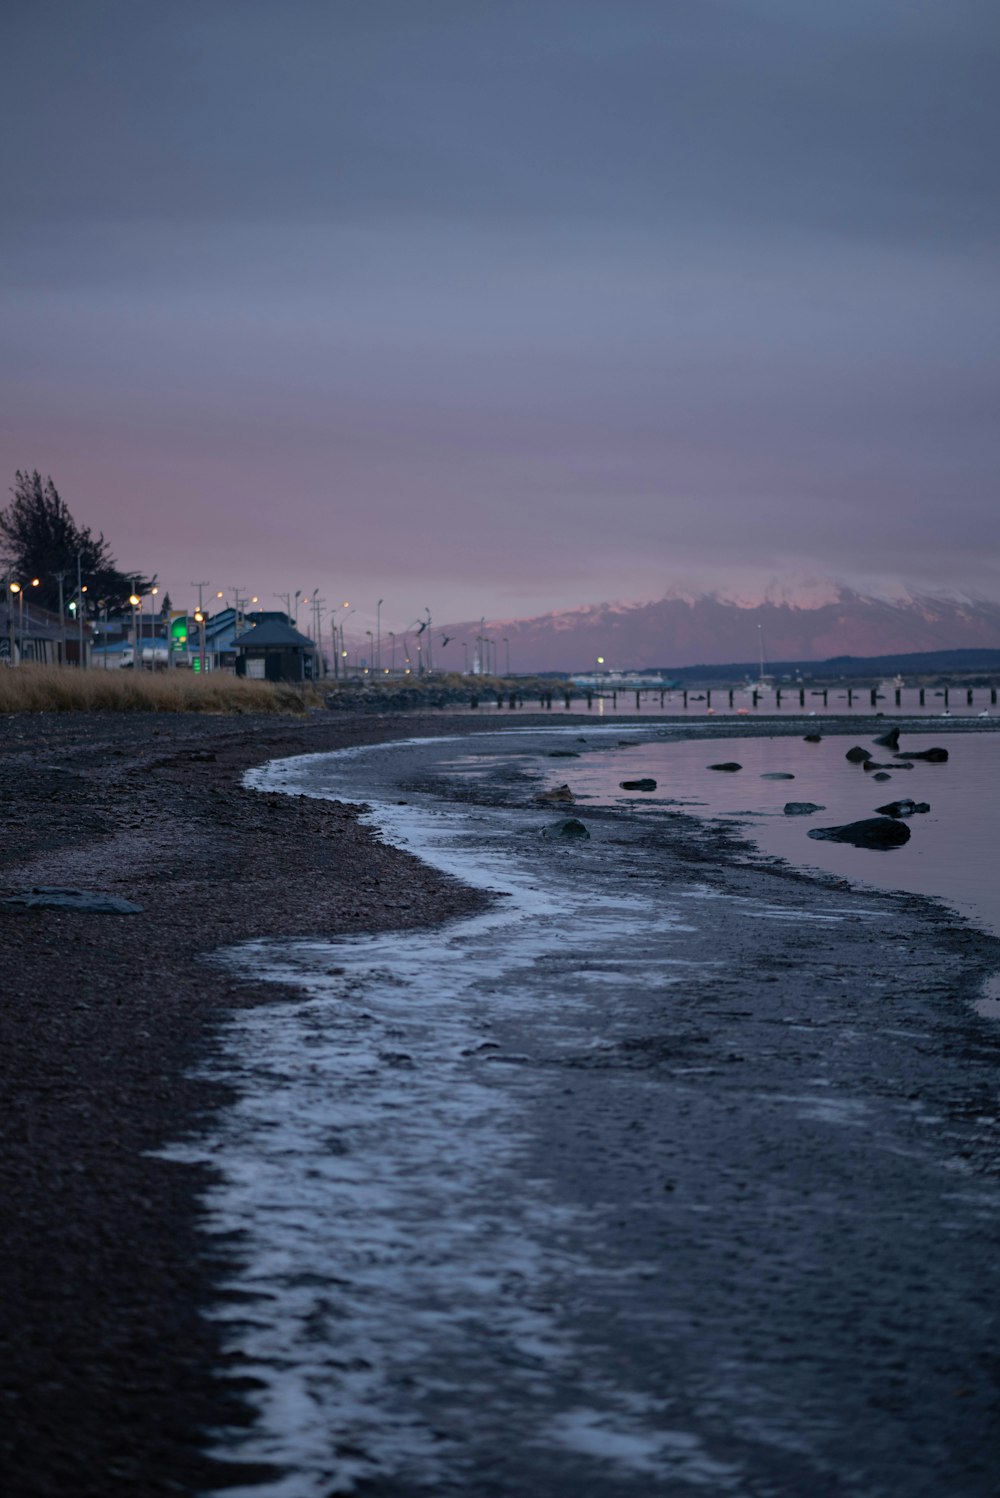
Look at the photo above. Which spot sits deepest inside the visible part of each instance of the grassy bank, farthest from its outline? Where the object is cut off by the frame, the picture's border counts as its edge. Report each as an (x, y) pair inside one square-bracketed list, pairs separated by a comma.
[(60, 689)]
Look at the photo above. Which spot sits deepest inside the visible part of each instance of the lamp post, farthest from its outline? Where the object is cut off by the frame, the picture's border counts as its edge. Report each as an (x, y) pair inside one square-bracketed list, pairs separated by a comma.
[(16, 589), (378, 636), (199, 619), (392, 637), (134, 600), (152, 629), (507, 644)]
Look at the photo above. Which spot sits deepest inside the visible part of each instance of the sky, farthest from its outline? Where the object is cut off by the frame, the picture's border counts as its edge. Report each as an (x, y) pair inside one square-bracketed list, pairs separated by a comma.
[(494, 307)]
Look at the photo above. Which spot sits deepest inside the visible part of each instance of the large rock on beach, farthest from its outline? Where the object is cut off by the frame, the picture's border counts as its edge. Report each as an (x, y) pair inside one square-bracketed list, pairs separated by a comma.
[(570, 828), (561, 793), (54, 897), (857, 755), (638, 785), (802, 808), (871, 832)]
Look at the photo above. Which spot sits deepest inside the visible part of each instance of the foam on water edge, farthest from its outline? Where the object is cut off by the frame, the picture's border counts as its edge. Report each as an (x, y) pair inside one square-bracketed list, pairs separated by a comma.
[(368, 1117)]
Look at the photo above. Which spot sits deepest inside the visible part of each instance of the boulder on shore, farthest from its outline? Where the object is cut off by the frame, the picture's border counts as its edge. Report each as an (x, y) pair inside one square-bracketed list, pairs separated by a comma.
[(572, 827), (561, 793), (857, 755), (802, 808), (638, 785), (871, 832)]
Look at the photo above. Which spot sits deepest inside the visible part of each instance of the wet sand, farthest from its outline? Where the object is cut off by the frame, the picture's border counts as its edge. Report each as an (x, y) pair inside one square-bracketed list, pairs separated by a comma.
[(109, 1369)]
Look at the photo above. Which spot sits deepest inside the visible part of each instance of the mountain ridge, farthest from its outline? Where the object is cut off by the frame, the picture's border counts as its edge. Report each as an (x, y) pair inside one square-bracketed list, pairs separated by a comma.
[(686, 629)]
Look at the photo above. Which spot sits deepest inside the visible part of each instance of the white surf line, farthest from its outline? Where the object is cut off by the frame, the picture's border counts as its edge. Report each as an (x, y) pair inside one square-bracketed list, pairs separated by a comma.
[(373, 1166)]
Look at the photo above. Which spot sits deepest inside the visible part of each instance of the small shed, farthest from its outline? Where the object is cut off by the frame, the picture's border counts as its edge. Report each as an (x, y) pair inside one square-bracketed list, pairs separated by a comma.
[(274, 651)]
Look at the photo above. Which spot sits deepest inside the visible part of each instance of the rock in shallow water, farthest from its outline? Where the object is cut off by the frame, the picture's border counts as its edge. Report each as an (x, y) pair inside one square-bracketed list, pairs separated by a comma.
[(871, 832), (902, 808), (52, 897), (777, 775), (857, 755), (729, 764), (637, 785), (801, 808)]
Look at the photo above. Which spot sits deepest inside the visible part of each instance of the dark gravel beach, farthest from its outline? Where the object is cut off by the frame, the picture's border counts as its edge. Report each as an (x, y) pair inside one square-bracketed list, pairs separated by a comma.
[(109, 1370), (106, 1363)]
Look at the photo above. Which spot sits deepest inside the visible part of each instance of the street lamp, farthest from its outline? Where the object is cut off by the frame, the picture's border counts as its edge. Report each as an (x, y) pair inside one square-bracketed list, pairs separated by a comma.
[(199, 619), (19, 591), (507, 643), (152, 629), (133, 599)]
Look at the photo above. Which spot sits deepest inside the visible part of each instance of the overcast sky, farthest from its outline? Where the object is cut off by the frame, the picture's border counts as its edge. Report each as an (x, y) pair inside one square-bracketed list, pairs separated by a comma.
[(496, 307)]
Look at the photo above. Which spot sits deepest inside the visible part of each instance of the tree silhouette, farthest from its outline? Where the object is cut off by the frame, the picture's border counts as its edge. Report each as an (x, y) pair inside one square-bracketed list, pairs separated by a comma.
[(39, 538)]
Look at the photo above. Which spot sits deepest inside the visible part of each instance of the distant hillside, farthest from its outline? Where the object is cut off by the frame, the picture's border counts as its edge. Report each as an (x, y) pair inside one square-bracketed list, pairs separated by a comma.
[(707, 629), (943, 663)]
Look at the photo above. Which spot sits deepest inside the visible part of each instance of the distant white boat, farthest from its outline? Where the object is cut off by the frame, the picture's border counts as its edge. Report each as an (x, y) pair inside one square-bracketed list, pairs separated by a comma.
[(764, 682)]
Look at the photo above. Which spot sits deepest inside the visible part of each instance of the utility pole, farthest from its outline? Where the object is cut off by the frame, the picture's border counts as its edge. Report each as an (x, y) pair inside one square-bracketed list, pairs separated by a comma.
[(201, 623), (60, 579), (79, 604)]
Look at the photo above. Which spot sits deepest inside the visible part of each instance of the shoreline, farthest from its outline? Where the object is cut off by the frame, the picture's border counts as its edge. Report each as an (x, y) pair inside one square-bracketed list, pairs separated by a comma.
[(109, 1365)]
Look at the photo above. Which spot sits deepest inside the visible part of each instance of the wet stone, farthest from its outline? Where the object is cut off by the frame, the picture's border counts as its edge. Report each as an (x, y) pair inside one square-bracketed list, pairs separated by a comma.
[(638, 785), (571, 827), (729, 765), (870, 832), (902, 808), (802, 808)]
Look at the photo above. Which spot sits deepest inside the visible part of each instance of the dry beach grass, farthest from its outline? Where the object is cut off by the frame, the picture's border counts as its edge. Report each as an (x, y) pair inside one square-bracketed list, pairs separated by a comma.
[(63, 689)]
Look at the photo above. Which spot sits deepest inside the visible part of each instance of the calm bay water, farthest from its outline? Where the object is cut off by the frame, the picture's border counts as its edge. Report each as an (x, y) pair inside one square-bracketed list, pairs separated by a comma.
[(952, 849)]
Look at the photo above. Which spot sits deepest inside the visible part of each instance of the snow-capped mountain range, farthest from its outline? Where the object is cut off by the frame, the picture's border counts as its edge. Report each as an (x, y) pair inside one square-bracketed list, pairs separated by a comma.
[(814, 622)]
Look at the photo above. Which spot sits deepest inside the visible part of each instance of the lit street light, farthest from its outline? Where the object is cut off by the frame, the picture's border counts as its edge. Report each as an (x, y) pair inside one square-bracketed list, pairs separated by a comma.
[(19, 592), (134, 600)]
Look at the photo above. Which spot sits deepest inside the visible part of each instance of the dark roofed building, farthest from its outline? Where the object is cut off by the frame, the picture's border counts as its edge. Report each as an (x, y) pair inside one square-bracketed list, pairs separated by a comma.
[(274, 651)]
